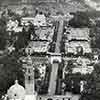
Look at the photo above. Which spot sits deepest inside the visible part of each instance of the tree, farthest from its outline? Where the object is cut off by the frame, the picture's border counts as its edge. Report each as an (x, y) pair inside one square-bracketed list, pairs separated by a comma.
[(10, 70), (25, 12), (3, 33), (95, 37), (22, 41), (92, 89), (80, 19)]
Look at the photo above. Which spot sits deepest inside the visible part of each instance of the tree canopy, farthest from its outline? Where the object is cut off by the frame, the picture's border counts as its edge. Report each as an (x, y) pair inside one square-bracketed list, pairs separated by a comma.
[(10, 70), (3, 33), (80, 19), (92, 89)]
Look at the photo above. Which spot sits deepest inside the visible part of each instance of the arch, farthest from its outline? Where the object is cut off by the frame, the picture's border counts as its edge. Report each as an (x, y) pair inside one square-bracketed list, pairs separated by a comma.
[(40, 98), (56, 59), (49, 99), (80, 50)]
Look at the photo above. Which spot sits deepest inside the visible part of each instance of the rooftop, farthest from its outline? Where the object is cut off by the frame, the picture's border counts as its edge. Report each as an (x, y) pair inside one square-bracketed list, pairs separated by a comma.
[(39, 46), (78, 33)]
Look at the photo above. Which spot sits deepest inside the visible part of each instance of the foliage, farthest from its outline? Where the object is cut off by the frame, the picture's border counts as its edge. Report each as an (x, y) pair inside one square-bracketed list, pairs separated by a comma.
[(25, 12), (42, 85), (10, 70), (92, 89), (3, 33), (70, 66), (22, 41), (95, 37), (80, 19)]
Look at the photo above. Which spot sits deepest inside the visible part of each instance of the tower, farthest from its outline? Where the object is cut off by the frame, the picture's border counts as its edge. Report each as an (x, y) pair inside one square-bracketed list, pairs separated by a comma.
[(29, 76)]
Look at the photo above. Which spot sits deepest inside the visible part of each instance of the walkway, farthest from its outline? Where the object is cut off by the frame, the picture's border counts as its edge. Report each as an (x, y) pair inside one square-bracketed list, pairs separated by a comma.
[(55, 66), (59, 36)]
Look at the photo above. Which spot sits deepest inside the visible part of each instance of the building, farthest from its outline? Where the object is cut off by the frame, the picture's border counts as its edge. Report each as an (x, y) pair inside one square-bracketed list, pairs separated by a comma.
[(95, 4), (39, 46), (77, 41), (16, 91)]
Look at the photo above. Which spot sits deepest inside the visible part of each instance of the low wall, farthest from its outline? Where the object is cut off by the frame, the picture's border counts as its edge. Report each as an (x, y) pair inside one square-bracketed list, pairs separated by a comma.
[(55, 97)]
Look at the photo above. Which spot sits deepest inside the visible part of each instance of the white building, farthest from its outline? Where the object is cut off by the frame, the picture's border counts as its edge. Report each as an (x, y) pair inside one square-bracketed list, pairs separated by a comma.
[(77, 37), (93, 4), (40, 20)]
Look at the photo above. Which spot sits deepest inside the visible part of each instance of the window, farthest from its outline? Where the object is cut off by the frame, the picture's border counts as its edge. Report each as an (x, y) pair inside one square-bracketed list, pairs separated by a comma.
[(49, 99), (40, 98), (29, 71), (29, 78)]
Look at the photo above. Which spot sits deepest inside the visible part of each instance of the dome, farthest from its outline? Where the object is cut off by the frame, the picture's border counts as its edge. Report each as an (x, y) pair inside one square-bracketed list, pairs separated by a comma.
[(16, 91)]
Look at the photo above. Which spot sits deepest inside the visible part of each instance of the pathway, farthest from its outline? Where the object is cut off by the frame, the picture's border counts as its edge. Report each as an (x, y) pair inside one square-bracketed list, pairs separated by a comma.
[(55, 66)]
